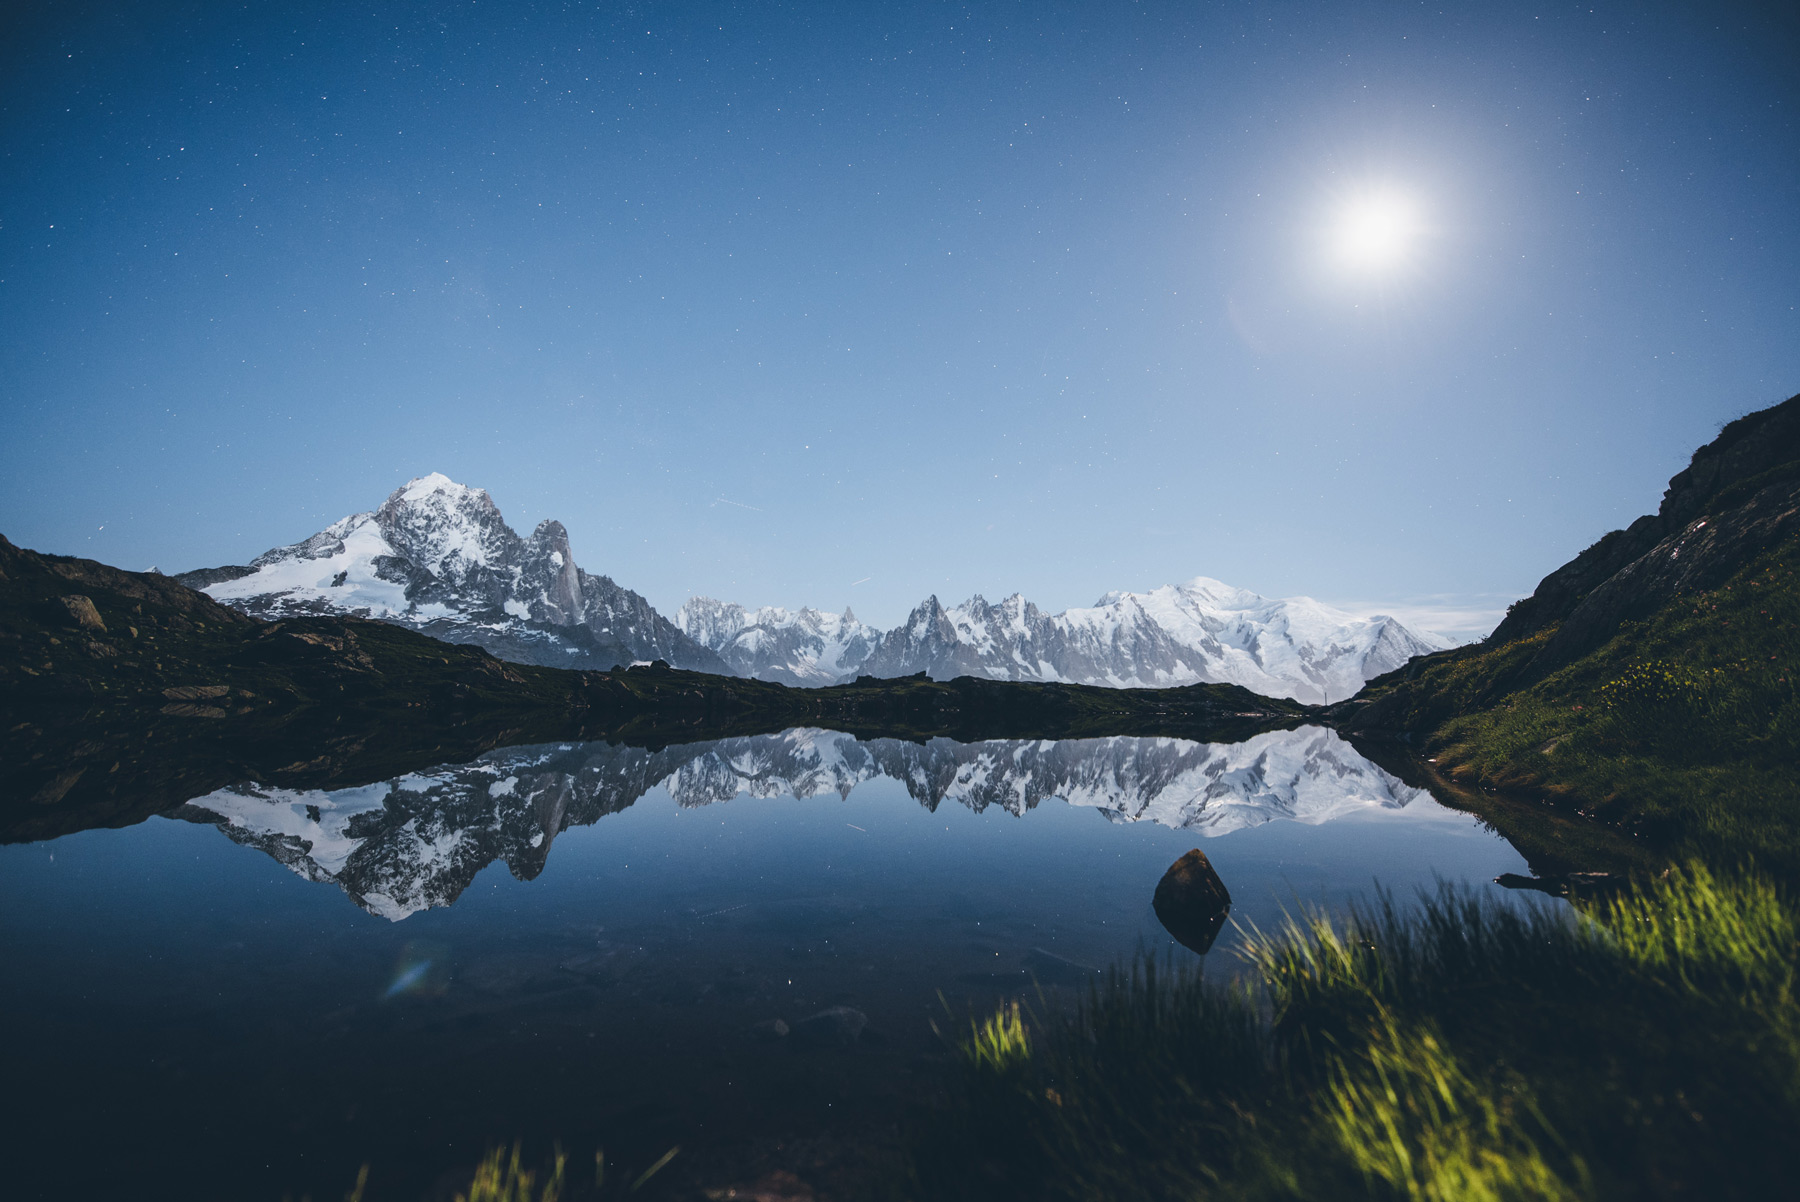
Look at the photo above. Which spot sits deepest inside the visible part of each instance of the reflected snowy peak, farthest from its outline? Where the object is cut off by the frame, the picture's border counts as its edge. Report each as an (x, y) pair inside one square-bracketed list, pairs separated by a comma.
[(409, 844)]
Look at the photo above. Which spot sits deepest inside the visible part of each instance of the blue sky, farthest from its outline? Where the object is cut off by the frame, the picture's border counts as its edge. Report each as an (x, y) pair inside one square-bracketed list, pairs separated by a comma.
[(849, 304)]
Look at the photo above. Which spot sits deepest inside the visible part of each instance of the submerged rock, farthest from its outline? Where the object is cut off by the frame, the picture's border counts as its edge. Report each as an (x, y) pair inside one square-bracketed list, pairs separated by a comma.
[(839, 1026), (770, 1030), (1192, 902), (1048, 968), (1566, 884)]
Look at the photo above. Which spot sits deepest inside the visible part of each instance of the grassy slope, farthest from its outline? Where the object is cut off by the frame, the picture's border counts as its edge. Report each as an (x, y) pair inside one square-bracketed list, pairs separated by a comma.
[(1649, 1050), (1647, 1046), (1683, 729)]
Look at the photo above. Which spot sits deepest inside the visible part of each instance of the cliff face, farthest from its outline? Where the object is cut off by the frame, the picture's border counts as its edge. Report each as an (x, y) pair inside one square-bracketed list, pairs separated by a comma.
[(1738, 496)]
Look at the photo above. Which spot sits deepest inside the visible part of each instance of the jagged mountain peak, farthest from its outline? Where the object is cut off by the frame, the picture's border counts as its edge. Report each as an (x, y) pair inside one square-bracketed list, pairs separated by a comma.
[(928, 610), (1201, 630), (446, 528), (438, 556), (436, 483), (805, 646)]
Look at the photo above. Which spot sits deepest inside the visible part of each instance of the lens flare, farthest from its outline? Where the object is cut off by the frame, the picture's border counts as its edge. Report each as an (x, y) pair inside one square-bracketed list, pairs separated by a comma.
[(423, 970)]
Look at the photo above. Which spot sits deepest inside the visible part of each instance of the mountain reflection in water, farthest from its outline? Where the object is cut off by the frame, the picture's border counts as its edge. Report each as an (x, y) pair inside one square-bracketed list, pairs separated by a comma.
[(631, 992), (405, 845)]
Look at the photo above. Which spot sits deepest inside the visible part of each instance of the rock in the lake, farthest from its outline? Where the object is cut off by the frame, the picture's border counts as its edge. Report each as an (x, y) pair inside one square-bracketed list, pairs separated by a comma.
[(1567, 884), (839, 1026), (1191, 902)]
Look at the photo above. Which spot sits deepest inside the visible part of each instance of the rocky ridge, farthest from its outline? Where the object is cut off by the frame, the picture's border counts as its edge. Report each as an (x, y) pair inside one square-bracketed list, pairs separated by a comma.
[(1739, 495), (1202, 631), (438, 557)]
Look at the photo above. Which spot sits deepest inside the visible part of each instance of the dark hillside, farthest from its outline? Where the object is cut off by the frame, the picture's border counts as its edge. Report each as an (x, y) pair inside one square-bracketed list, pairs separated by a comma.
[(1738, 496), (1651, 681)]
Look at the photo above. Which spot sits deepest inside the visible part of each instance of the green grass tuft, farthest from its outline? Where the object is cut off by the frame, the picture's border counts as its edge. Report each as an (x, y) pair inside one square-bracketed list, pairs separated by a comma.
[(1646, 1046), (500, 1179), (1402, 1109)]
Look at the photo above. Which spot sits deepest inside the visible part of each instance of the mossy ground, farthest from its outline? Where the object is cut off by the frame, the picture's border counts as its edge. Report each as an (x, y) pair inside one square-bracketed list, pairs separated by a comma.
[(1683, 729)]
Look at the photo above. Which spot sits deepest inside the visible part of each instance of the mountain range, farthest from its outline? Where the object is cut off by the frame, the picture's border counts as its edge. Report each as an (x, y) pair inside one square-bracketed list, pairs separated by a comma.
[(414, 842), (438, 557), (1200, 632)]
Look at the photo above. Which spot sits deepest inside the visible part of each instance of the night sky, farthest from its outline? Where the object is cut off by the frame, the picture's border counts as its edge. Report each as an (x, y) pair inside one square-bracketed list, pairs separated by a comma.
[(849, 303)]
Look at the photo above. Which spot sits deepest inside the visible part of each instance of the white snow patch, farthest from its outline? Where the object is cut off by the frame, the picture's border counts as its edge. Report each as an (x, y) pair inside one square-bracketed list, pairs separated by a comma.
[(288, 812)]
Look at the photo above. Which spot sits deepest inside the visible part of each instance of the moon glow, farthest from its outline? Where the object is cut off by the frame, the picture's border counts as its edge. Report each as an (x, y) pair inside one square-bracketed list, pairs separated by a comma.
[(1376, 233)]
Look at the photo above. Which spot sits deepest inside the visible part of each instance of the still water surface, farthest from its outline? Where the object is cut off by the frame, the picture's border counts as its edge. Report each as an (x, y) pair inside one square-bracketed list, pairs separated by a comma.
[(590, 944)]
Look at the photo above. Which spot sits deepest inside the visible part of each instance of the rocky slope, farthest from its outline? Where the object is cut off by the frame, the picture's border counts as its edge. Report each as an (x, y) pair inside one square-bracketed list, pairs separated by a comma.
[(1739, 496), (1200, 631), (404, 845), (1654, 680), (437, 556)]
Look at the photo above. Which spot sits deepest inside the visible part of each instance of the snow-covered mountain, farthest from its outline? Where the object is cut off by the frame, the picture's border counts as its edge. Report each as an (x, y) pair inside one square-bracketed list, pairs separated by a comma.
[(1201, 631), (802, 647), (405, 845), (438, 557)]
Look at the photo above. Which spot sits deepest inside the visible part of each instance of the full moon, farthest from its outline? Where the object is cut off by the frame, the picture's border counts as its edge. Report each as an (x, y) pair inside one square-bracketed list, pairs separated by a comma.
[(1376, 233)]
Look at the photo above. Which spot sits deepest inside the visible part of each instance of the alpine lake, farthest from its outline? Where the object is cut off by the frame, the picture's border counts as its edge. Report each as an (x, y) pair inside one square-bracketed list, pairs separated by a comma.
[(749, 953)]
